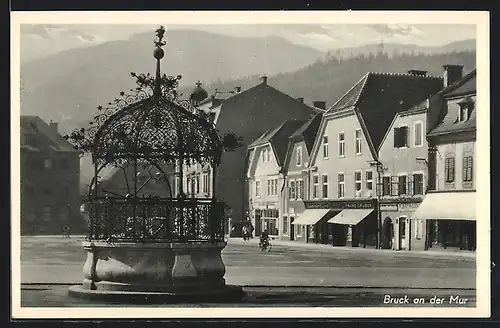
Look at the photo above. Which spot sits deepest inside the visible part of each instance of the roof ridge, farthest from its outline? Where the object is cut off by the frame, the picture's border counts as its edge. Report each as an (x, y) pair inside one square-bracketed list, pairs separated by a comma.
[(362, 89), (345, 94), (407, 74)]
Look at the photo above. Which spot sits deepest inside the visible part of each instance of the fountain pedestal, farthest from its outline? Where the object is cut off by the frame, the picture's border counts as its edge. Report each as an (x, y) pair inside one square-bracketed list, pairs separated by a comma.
[(155, 272)]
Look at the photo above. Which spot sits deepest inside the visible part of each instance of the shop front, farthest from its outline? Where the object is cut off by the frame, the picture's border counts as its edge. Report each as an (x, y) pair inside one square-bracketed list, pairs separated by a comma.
[(450, 220), (265, 218), (399, 231), (340, 222)]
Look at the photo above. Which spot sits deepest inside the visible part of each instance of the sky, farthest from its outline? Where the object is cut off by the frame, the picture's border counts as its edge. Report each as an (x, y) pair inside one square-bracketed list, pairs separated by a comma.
[(58, 37)]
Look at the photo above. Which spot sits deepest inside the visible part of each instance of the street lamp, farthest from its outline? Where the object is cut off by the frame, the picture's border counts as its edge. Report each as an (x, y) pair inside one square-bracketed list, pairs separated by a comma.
[(380, 169)]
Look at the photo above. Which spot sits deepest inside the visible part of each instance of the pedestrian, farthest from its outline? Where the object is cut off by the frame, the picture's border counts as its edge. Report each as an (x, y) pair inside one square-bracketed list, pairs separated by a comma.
[(251, 230), (244, 232)]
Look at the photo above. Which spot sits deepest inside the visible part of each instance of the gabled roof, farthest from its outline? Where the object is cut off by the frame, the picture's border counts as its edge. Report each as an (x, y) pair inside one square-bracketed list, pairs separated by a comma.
[(308, 131), (278, 138), (449, 123), (377, 97), (45, 134), (417, 109)]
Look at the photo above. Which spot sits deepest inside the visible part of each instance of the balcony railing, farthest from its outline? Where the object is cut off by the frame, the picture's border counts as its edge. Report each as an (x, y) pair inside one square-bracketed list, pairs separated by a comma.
[(154, 220)]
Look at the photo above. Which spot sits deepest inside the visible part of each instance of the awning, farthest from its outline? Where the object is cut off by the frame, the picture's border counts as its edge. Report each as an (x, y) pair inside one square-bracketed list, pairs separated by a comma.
[(311, 216), (447, 206), (351, 216)]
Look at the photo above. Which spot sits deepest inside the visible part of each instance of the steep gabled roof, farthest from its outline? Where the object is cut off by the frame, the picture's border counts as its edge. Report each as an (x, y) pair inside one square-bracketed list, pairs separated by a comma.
[(47, 137), (449, 123), (308, 131), (278, 138), (377, 97)]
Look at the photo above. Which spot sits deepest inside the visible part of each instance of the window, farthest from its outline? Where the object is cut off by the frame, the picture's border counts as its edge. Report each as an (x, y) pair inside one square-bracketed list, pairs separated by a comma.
[(205, 183), (257, 188), (467, 174), (358, 141), (316, 186), (418, 184), (47, 213), (64, 164), (263, 157), (369, 180), (325, 146), (401, 137), (269, 189), (275, 187), (357, 183), (285, 225), (402, 184), (298, 156), (47, 163), (325, 185), (197, 183), (300, 189), (449, 169), (292, 190), (341, 144), (341, 185), (466, 108), (419, 229), (418, 134), (386, 186), (268, 155)]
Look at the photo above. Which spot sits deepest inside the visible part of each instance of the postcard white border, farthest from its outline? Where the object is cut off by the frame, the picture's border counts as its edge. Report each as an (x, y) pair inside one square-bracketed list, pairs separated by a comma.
[(480, 19)]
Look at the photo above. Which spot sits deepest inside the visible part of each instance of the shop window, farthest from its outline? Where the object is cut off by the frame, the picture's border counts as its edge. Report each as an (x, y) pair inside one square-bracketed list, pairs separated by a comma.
[(285, 225)]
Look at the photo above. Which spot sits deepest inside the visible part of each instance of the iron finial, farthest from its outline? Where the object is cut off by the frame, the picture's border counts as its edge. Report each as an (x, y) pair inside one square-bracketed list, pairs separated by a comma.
[(158, 54)]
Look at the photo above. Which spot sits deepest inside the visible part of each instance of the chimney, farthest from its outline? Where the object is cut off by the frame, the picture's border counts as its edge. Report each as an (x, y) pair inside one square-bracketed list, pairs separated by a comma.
[(54, 126), (264, 79), (417, 72), (238, 89), (301, 99), (452, 73), (319, 104)]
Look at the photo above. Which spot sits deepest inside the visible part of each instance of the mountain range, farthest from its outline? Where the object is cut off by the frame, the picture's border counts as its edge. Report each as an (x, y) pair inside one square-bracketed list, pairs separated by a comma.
[(68, 86)]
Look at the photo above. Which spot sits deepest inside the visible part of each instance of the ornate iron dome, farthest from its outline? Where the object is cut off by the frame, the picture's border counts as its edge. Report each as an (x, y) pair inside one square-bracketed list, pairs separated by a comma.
[(152, 128)]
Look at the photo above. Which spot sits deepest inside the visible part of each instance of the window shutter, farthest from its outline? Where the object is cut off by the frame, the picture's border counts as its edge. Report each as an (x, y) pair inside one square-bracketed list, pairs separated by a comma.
[(396, 137), (404, 136)]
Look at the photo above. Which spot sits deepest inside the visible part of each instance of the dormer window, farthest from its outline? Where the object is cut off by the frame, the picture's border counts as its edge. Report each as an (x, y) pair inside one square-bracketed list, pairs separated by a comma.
[(466, 107)]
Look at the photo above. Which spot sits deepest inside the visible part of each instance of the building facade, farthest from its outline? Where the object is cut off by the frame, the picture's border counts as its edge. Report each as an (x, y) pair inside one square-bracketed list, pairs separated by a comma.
[(402, 179), (249, 113), (266, 179), (297, 183), (449, 207), (343, 207), (50, 180)]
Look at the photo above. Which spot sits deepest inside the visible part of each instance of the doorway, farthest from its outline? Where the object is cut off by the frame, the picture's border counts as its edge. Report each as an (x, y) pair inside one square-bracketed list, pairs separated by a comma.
[(403, 240), (388, 233), (292, 228)]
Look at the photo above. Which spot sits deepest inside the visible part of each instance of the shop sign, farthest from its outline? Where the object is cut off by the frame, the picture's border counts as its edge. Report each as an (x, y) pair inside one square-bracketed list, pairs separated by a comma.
[(408, 206), (340, 205), (389, 207)]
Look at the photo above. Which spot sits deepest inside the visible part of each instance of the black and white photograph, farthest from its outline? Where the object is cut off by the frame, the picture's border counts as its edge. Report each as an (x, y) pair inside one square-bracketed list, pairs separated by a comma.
[(254, 164)]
